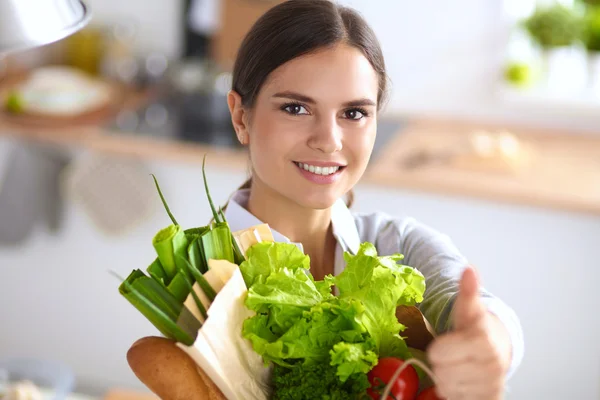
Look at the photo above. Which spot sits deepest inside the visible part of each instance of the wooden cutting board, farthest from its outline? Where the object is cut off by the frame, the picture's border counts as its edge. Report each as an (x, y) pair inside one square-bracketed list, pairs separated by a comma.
[(556, 169)]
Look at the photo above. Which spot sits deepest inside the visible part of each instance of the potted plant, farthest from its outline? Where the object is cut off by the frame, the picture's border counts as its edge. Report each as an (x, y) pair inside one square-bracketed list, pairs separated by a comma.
[(591, 38), (557, 30)]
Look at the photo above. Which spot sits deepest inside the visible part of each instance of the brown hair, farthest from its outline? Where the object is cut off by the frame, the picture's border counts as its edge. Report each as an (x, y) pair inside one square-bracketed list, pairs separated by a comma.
[(295, 28)]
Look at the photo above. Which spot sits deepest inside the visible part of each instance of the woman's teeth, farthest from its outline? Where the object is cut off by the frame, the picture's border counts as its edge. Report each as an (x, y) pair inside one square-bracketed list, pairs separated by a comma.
[(318, 170)]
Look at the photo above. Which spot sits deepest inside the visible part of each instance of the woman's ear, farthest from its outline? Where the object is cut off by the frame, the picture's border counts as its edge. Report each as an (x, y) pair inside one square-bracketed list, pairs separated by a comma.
[(238, 116)]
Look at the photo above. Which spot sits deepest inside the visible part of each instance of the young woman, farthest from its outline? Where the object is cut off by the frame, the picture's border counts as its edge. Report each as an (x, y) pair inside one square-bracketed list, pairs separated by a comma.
[(308, 84)]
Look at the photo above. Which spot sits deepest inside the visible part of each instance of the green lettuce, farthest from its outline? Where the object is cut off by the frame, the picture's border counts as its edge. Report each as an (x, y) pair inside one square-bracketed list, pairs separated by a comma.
[(381, 285), (299, 323)]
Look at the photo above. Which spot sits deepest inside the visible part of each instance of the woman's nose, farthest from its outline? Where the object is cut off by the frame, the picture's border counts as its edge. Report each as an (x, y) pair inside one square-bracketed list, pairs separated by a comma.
[(326, 136)]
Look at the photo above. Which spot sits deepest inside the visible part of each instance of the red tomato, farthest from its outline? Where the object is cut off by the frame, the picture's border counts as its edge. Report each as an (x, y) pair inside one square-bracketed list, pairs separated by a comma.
[(428, 394), (405, 387)]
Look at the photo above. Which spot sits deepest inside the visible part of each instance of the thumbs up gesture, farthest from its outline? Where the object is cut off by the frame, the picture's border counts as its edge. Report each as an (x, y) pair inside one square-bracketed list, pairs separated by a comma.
[(471, 361)]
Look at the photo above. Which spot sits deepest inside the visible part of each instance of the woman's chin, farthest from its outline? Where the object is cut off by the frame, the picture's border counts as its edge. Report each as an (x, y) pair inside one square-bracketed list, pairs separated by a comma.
[(316, 201)]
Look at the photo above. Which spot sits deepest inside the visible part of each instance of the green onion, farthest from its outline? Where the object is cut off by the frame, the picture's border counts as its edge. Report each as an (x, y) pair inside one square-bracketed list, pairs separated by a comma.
[(195, 249), (162, 198), (190, 288), (218, 244), (212, 206), (236, 255), (175, 285), (160, 307), (182, 259), (156, 271), (169, 243), (204, 285)]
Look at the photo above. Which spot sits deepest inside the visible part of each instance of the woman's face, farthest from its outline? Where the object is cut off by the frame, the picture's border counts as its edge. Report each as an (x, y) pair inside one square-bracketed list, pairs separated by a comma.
[(313, 126)]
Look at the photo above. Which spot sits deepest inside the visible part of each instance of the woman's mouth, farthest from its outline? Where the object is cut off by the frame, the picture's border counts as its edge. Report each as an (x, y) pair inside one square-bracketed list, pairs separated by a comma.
[(322, 174)]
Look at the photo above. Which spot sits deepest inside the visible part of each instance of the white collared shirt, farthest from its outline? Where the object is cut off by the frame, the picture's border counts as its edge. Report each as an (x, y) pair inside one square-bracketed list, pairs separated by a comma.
[(423, 248)]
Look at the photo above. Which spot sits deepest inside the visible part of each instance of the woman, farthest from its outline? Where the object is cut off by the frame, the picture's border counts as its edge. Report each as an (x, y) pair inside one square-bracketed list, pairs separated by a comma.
[(308, 83)]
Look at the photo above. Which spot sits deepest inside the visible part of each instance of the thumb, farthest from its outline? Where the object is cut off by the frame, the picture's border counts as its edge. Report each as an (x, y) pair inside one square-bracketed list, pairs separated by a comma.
[(468, 309)]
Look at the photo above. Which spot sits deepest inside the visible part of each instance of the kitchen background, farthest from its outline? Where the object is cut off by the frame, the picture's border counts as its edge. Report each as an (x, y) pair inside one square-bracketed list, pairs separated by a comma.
[(491, 136)]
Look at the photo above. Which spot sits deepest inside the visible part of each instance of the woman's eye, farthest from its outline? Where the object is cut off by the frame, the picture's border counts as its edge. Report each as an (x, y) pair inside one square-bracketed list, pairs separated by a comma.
[(295, 109), (355, 114)]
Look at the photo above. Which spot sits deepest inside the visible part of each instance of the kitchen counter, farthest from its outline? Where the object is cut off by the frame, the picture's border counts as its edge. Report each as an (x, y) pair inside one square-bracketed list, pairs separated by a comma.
[(535, 167), (559, 170)]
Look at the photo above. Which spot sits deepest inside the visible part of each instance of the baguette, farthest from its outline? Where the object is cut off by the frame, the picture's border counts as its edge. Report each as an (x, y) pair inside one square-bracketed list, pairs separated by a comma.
[(169, 372)]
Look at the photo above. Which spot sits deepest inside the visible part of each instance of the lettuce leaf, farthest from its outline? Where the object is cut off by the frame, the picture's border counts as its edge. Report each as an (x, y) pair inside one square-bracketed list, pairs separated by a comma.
[(299, 321), (381, 285)]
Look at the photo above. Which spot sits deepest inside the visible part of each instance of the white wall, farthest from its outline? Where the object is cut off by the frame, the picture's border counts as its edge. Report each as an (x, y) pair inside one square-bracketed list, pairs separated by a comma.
[(60, 301)]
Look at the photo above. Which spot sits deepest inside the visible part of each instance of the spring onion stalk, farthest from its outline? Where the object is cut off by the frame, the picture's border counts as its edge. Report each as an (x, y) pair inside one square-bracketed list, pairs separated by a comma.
[(170, 243), (195, 249), (218, 244), (235, 255), (160, 307), (162, 198), (204, 285), (157, 272), (189, 285), (174, 285), (182, 259), (212, 206)]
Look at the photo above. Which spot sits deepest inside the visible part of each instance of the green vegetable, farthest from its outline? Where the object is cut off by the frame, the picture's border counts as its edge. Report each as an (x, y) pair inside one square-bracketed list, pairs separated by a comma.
[(316, 381), (195, 249), (160, 307), (591, 30), (202, 282), (217, 243), (182, 258), (162, 198), (381, 285), (299, 321), (554, 26), (170, 243)]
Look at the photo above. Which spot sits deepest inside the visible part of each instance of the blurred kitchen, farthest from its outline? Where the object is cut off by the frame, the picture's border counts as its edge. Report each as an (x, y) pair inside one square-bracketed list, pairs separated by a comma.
[(491, 135)]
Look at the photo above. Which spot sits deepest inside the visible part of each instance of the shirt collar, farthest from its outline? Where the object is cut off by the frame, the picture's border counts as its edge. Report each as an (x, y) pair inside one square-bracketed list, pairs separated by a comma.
[(344, 226)]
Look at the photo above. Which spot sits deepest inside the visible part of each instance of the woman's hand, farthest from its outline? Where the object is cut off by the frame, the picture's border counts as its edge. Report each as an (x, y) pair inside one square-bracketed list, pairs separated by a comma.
[(471, 362)]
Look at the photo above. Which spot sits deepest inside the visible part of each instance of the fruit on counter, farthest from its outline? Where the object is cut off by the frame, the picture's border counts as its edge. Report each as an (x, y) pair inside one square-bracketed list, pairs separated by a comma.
[(404, 388), (518, 74), (14, 102)]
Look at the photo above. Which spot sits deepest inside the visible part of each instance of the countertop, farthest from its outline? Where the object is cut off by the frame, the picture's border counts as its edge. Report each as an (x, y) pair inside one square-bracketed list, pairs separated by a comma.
[(558, 170)]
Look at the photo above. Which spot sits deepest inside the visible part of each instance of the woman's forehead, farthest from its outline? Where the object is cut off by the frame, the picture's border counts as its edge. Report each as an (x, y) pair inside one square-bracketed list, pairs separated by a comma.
[(341, 73)]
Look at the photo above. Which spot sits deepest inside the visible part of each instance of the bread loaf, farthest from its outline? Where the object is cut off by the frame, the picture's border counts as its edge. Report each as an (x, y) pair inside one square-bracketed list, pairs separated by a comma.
[(169, 372)]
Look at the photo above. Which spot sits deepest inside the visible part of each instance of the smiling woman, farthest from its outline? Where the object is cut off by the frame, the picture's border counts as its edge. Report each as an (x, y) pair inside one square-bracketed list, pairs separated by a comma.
[(308, 83), (295, 87)]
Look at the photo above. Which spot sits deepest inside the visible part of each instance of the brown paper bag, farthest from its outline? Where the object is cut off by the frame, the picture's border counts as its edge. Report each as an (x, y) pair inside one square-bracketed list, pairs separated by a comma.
[(418, 333)]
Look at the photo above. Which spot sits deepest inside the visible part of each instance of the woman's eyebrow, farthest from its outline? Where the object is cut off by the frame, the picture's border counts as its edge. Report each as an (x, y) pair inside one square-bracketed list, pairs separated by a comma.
[(306, 99), (294, 96), (360, 103)]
